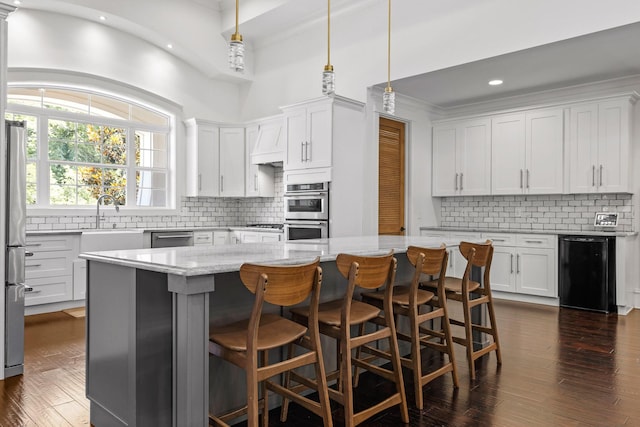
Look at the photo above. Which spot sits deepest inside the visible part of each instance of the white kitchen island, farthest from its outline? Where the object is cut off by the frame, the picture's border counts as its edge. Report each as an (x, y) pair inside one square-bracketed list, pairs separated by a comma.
[(149, 312)]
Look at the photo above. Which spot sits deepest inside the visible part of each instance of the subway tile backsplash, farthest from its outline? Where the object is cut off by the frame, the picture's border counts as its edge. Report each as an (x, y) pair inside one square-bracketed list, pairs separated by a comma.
[(553, 212), (194, 212)]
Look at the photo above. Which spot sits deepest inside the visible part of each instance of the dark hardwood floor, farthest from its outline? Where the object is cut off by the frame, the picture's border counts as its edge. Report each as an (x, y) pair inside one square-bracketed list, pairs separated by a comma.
[(561, 367)]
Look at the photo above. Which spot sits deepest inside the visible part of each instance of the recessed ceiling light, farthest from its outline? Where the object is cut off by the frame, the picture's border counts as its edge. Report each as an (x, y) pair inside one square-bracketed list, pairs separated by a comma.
[(103, 18), (17, 2), (170, 46), (495, 82)]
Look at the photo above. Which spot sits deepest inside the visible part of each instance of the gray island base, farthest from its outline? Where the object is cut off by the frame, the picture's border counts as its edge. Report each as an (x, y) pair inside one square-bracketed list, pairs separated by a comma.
[(148, 317)]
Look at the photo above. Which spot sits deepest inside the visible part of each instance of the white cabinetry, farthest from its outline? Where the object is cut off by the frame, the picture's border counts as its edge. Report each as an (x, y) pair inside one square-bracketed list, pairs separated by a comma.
[(259, 181), (257, 236), (599, 139), (202, 238), (220, 238), (215, 160), (457, 263), (232, 161), (462, 158), (49, 272), (308, 130), (524, 263), (527, 152), (203, 147)]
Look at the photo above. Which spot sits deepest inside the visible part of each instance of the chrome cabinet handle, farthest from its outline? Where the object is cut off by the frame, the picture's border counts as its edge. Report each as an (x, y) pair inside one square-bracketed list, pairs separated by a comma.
[(28, 253), (601, 175), (593, 175), (527, 179), (33, 244), (511, 263), (456, 182), (199, 181), (32, 265), (521, 178), (460, 182), (172, 236), (255, 182), (518, 264), (302, 151), (534, 241), (221, 183), (29, 289)]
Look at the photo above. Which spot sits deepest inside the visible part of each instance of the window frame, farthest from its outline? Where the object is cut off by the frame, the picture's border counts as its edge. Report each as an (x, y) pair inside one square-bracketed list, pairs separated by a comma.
[(44, 115)]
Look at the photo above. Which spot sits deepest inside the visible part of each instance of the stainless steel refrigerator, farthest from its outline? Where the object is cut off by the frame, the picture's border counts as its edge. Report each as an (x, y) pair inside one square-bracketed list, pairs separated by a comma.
[(16, 215)]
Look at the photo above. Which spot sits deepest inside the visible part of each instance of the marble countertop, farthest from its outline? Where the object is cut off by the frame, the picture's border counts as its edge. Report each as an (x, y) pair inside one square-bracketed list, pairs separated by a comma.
[(202, 260), (152, 230), (607, 232)]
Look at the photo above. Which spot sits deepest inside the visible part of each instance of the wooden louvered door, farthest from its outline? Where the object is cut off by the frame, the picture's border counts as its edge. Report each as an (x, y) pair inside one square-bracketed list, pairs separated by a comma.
[(391, 177)]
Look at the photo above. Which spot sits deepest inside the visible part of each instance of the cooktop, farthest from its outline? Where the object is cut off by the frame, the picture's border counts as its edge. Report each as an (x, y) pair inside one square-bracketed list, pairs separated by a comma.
[(273, 226)]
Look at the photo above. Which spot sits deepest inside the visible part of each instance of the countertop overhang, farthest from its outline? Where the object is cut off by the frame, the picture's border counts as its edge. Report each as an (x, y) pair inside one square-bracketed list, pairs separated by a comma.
[(203, 260)]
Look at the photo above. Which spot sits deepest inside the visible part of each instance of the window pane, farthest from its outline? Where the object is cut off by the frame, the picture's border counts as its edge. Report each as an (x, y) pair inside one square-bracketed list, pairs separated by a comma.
[(24, 96), (31, 183), (99, 181), (151, 149), (62, 185), (32, 132), (62, 138), (89, 153), (103, 106), (151, 198), (66, 100), (145, 115), (151, 188)]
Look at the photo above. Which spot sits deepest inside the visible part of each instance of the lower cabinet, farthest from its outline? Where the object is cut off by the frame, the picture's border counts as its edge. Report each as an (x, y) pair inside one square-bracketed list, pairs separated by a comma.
[(259, 237), (524, 263), (49, 271)]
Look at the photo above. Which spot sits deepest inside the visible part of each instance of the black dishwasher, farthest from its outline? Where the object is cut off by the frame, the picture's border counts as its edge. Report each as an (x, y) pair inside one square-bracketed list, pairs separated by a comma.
[(587, 273)]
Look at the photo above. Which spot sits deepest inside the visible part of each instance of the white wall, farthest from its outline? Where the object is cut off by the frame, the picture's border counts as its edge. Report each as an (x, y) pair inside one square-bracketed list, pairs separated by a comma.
[(44, 40)]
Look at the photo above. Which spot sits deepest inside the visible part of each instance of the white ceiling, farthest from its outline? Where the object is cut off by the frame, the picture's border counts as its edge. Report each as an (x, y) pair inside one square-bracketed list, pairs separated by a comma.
[(594, 57), (597, 56)]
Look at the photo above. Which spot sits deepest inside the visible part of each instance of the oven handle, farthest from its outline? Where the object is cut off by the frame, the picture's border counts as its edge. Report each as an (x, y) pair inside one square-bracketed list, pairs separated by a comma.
[(301, 194), (317, 224)]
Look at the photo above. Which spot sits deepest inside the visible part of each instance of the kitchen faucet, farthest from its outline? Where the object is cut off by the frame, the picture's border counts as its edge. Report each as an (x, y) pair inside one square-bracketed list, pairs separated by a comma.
[(104, 196)]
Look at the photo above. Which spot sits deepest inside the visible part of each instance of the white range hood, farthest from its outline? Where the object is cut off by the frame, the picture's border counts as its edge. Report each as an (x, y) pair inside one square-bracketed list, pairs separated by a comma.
[(269, 148)]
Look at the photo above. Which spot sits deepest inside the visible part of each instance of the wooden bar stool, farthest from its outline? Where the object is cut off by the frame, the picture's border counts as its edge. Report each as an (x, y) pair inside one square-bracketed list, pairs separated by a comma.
[(246, 343), (336, 320), (473, 294), (408, 301)]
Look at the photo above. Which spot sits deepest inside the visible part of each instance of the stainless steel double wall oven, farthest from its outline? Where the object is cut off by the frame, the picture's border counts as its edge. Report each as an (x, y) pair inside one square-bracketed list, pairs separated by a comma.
[(306, 211)]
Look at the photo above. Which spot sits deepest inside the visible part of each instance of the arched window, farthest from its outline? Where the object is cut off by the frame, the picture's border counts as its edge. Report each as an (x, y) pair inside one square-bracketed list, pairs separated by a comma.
[(82, 144)]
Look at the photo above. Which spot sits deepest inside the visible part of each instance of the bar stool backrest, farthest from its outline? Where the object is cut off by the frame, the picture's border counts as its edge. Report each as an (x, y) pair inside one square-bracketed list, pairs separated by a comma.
[(283, 285), (369, 272)]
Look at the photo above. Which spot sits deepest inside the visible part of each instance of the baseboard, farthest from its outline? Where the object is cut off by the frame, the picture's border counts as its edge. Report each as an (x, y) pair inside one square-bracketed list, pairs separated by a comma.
[(53, 307)]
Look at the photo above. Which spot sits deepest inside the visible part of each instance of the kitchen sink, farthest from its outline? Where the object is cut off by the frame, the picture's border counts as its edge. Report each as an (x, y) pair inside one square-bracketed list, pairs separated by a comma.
[(106, 240)]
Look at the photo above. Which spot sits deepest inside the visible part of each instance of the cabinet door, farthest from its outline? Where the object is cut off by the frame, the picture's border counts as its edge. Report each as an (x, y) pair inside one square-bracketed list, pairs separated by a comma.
[(613, 148), (544, 152), (251, 237), (444, 174), (220, 237), (318, 148), (474, 157), (503, 272), (232, 162), (296, 133), (251, 177), (535, 269), (583, 148), (207, 147), (507, 154), (270, 237)]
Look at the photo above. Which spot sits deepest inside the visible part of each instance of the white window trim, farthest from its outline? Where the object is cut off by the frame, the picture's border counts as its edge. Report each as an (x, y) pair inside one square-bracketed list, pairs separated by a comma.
[(173, 197)]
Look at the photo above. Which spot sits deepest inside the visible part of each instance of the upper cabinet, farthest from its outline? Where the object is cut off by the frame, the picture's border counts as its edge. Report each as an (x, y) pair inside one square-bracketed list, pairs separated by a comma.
[(232, 162), (599, 139), (527, 152), (308, 134), (462, 158), (203, 170), (259, 179), (215, 160)]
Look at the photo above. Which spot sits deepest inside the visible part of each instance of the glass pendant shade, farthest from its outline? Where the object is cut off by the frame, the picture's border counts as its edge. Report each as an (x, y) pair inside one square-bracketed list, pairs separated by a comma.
[(328, 80), (236, 53), (389, 101)]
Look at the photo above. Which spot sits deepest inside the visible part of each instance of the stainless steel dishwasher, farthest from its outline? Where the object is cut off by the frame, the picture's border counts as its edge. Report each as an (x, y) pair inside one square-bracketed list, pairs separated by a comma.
[(170, 239)]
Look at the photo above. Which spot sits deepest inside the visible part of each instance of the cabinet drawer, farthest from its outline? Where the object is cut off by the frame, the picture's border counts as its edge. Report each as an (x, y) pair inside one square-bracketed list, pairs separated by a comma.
[(49, 289), (500, 239), (48, 264), (50, 243), (536, 240), (203, 238)]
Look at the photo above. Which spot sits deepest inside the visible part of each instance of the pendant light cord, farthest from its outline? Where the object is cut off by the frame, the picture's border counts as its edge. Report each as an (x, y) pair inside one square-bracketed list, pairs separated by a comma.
[(389, 48), (328, 33)]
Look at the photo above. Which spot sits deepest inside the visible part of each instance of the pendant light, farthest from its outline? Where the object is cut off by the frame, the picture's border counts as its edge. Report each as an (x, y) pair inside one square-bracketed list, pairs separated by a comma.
[(236, 48), (328, 77), (389, 96)]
